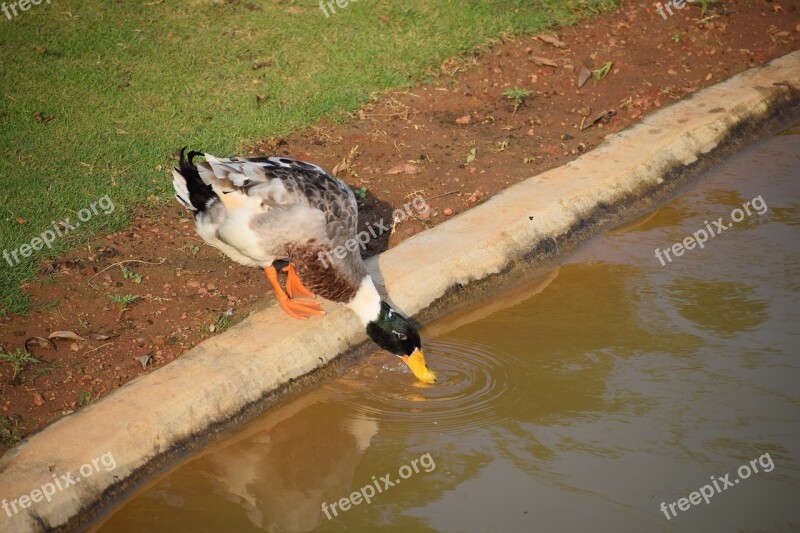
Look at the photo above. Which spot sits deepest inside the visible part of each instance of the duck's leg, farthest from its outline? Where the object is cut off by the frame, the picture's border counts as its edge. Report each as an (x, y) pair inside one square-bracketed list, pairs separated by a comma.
[(293, 308), (294, 287)]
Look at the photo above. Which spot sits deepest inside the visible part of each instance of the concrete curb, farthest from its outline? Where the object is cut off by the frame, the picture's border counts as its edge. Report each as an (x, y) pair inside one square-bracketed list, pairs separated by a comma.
[(156, 419)]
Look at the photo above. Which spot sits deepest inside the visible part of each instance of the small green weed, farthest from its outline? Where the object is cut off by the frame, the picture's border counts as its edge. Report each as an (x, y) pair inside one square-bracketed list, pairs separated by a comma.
[(603, 71), (9, 432), (85, 398), (517, 95), (127, 273), (220, 324), (124, 302), (19, 360)]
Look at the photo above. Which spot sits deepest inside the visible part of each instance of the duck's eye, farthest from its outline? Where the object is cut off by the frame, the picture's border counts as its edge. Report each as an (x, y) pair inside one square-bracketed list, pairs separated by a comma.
[(401, 336)]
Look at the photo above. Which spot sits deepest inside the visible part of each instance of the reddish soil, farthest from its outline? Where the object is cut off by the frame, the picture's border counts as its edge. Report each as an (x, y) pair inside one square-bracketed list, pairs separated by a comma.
[(432, 129)]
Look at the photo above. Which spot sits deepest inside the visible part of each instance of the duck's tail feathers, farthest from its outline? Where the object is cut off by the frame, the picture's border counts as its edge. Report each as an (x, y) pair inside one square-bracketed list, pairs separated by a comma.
[(190, 190)]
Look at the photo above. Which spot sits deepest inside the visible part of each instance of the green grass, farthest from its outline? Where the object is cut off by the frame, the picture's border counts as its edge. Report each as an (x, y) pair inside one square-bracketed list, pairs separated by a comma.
[(127, 83), (9, 432)]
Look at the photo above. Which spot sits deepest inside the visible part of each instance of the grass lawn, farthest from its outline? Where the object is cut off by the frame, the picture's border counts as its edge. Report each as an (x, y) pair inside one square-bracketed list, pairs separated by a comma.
[(126, 83)]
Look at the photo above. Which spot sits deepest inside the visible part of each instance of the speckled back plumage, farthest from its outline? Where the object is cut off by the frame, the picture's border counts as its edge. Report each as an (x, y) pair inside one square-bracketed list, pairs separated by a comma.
[(266, 208)]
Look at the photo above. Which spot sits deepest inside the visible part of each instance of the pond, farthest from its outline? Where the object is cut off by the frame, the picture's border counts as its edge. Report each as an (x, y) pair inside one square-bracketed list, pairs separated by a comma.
[(626, 390)]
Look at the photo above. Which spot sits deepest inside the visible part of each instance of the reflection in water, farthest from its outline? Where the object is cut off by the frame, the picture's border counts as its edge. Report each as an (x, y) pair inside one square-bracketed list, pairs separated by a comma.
[(580, 401), (724, 307), (281, 475)]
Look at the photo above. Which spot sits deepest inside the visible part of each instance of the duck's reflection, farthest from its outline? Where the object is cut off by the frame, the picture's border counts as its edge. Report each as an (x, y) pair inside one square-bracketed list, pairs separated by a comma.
[(283, 471)]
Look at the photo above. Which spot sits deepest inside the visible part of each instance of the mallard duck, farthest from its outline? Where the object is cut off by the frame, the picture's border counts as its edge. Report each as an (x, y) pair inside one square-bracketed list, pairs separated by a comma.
[(276, 212)]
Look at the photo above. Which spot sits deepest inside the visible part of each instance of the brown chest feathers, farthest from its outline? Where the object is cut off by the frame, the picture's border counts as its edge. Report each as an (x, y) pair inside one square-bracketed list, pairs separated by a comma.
[(325, 274)]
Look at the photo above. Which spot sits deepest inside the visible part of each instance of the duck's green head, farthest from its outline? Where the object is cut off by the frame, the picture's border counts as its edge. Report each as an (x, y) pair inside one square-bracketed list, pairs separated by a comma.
[(395, 333)]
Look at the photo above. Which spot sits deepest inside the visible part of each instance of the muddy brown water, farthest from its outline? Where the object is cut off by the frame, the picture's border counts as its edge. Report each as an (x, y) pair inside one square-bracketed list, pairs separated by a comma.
[(580, 401)]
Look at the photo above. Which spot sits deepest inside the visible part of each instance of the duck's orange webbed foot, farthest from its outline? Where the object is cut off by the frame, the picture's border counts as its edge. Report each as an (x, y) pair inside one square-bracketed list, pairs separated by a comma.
[(294, 287), (293, 308)]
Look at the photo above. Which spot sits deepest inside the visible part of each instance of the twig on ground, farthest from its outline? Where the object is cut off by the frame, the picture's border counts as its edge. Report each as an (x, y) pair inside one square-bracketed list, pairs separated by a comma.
[(122, 263)]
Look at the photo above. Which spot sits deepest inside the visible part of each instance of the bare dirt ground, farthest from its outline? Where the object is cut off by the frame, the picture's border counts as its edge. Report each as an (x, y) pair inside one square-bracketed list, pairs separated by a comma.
[(455, 142)]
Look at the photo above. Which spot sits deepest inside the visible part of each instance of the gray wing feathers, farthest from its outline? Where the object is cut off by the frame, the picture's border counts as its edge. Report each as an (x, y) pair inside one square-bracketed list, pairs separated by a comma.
[(280, 181)]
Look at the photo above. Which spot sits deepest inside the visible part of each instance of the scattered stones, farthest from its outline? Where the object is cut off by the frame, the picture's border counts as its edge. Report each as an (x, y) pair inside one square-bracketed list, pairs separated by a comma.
[(475, 196)]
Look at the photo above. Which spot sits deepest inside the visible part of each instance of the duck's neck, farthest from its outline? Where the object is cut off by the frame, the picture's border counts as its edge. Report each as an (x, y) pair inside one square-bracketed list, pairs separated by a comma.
[(367, 302)]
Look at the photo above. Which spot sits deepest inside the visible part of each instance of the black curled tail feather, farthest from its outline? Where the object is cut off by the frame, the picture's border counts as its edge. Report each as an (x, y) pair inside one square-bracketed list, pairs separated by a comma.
[(199, 194)]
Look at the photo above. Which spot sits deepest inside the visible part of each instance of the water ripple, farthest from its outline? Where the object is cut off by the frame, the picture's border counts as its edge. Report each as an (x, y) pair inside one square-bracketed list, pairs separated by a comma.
[(474, 383)]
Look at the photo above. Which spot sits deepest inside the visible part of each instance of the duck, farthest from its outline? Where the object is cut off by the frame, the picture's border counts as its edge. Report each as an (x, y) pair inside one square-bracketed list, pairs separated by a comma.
[(276, 213)]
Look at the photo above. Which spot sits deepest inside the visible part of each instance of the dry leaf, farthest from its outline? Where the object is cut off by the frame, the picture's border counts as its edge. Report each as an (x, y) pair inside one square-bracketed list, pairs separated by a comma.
[(544, 62), (103, 337), (605, 115), (339, 167), (405, 168), (38, 342), (584, 76), (68, 335), (261, 64), (145, 359), (41, 117), (552, 40)]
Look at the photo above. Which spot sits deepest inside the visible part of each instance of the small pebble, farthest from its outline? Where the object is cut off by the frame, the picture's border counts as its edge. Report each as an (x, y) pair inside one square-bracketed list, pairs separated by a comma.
[(447, 211)]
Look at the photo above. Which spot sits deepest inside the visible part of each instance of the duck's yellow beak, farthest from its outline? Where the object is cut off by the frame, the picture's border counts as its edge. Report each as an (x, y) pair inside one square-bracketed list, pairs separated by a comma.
[(416, 362)]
